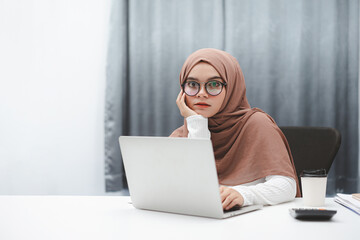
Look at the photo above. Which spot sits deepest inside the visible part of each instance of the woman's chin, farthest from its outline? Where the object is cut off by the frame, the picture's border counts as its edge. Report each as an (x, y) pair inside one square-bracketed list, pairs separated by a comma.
[(204, 114)]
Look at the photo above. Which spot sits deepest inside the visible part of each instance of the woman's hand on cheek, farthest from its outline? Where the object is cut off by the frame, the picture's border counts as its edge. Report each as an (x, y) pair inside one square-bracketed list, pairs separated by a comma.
[(230, 198), (185, 111)]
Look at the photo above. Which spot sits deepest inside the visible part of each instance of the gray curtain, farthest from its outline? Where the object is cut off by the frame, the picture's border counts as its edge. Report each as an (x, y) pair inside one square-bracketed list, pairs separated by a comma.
[(300, 60)]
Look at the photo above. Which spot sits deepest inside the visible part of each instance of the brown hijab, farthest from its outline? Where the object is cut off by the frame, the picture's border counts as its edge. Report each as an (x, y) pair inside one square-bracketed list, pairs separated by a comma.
[(248, 145)]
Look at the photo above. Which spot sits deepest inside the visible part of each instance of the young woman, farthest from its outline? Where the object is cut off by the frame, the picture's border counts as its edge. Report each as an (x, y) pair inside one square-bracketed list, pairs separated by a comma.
[(253, 158)]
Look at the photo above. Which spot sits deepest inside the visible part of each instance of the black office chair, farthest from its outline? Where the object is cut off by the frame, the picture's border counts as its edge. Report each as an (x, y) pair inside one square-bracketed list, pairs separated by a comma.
[(312, 147)]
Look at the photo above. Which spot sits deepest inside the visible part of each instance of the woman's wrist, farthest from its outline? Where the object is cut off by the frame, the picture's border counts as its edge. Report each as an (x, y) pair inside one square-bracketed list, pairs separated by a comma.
[(197, 126)]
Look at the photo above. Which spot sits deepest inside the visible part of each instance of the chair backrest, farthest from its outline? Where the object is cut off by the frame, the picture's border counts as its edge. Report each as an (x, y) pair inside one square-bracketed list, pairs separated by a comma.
[(312, 147)]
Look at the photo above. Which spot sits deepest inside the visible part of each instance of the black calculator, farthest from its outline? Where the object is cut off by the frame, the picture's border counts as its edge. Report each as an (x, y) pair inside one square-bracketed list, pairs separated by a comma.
[(312, 213)]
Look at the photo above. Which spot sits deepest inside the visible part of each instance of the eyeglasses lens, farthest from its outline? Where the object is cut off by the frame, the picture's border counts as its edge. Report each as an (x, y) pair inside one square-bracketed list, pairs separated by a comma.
[(191, 88), (213, 88)]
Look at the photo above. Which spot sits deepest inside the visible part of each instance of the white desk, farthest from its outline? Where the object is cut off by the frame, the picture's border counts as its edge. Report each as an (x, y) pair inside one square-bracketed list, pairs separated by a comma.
[(111, 217)]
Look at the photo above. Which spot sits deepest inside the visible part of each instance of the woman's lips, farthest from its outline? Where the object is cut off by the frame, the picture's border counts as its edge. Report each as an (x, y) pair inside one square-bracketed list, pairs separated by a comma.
[(202, 105)]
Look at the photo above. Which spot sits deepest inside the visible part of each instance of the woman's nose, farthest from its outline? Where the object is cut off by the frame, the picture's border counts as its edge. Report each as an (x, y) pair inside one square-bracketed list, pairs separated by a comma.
[(202, 92)]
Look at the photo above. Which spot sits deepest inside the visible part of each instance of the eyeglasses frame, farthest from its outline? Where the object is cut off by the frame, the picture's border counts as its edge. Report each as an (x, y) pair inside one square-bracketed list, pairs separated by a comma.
[(222, 86)]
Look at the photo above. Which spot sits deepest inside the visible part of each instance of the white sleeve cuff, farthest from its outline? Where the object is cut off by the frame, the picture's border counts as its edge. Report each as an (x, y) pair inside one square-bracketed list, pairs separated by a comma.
[(197, 126), (246, 194)]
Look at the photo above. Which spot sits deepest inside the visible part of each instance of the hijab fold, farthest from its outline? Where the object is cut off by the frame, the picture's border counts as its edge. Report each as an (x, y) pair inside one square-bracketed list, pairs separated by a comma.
[(248, 145)]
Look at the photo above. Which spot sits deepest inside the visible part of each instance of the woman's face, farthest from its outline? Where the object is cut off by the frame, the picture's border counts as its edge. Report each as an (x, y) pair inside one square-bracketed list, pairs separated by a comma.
[(203, 103)]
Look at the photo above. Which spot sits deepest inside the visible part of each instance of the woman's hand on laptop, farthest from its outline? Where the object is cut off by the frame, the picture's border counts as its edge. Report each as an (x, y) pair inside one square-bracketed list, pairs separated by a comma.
[(230, 198), (185, 111)]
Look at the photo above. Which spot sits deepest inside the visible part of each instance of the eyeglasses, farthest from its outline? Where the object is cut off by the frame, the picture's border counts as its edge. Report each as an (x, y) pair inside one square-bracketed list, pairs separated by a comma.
[(214, 88)]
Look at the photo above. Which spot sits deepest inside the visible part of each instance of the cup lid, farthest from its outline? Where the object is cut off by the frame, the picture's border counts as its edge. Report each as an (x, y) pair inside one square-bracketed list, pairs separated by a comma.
[(313, 173)]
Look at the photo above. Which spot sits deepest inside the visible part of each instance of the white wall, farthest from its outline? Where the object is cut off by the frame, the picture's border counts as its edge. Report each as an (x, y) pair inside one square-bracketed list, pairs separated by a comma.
[(52, 81)]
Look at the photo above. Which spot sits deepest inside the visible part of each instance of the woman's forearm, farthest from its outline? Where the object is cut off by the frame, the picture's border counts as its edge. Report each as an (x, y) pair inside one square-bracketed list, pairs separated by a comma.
[(276, 189)]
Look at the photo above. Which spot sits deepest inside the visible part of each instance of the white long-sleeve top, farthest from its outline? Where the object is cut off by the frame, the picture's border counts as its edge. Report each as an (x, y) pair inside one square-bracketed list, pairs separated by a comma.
[(270, 190)]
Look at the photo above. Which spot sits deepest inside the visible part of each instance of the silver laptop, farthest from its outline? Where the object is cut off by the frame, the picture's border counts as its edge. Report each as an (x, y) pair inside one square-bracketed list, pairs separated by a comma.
[(176, 175)]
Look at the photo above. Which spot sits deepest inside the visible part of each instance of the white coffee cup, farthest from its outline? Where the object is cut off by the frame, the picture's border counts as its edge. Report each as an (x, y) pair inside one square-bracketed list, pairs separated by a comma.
[(313, 183)]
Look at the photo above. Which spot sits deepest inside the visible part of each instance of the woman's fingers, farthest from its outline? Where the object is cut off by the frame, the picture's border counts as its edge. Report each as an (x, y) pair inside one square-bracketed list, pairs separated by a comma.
[(232, 202), (180, 101), (230, 198), (179, 97), (185, 111), (183, 104), (224, 193), (227, 201)]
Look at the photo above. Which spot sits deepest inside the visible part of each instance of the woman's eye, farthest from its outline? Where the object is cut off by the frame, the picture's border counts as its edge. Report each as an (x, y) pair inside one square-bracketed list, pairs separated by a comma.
[(214, 84), (192, 84)]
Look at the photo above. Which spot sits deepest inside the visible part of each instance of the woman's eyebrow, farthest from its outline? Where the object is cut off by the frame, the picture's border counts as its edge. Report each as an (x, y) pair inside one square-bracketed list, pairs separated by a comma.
[(212, 78)]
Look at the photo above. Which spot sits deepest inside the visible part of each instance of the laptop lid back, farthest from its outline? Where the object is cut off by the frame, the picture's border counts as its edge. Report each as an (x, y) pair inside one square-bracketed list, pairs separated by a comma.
[(172, 175)]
